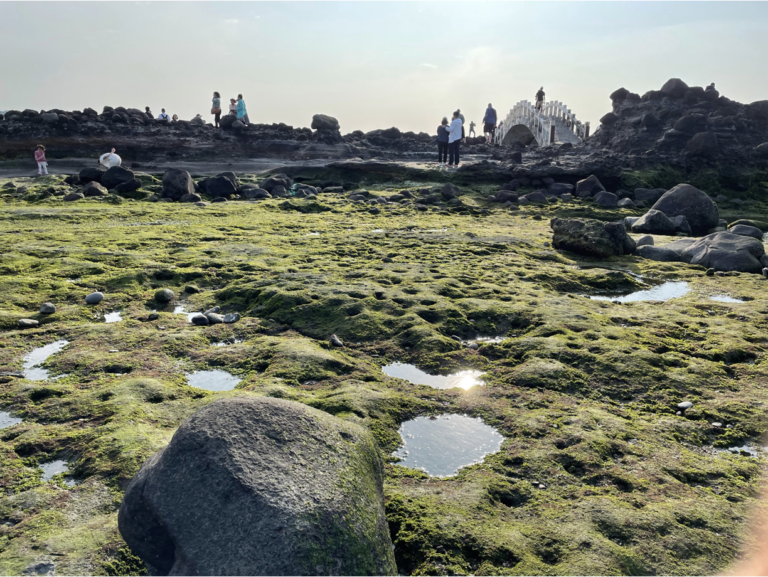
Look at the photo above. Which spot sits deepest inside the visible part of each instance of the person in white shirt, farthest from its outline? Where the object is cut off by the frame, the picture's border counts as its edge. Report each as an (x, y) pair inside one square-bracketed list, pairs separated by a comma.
[(455, 130), (110, 159), (163, 115)]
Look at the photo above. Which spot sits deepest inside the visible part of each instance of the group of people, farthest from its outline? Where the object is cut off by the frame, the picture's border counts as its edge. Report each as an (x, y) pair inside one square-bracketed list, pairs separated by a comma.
[(106, 160), (451, 135), (236, 108)]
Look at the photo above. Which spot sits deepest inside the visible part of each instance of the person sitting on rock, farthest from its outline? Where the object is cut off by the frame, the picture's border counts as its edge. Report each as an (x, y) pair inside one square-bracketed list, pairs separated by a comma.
[(163, 115), (175, 118), (110, 159), (442, 143), (233, 106), (710, 88), (540, 99), (42, 164), (472, 128), (148, 111), (242, 113)]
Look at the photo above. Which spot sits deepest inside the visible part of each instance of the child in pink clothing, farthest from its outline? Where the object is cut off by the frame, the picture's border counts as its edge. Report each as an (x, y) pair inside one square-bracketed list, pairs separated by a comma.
[(42, 164)]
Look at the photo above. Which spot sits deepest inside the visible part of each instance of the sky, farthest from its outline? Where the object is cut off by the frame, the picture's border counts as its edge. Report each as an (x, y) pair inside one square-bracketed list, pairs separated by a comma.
[(372, 64)]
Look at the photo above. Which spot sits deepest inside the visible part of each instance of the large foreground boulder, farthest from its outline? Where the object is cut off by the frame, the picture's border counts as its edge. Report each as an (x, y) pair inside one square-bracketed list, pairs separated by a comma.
[(177, 183), (726, 251), (116, 176), (91, 174), (684, 199), (590, 186), (218, 186), (654, 222), (261, 486), (591, 237)]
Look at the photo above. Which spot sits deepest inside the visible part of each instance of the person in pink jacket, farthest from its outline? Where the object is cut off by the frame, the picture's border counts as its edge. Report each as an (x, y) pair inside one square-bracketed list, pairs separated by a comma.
[(42, 163)]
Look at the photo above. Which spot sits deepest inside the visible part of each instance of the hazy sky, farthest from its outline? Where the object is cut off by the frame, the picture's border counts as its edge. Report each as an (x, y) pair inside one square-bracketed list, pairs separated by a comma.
[(372, 64)]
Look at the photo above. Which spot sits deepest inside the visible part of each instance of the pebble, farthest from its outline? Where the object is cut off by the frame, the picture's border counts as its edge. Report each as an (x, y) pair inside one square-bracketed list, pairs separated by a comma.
[(47, 308), (231, 318), (336, 341), (114, 351), (717, 425), (474, 346), (153, 316), (28, 323), (200, 320), (685, 405), (94, 298), (711, 272), (164, 295)]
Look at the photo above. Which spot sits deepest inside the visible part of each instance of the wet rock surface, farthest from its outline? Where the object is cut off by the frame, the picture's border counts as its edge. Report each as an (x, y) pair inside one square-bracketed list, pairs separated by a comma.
[(261, 486)]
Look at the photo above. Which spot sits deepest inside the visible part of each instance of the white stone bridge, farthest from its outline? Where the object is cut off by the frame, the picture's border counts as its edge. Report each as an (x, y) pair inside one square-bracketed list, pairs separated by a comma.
[(554, 123)]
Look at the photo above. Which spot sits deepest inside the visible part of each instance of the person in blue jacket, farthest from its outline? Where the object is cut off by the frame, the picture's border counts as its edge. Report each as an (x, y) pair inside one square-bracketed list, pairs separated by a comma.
[(242, 113), (489, 123), (442, 143)]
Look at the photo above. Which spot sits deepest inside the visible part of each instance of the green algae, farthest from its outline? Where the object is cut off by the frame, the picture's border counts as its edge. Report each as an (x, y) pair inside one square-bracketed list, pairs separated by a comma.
[(584, 391)]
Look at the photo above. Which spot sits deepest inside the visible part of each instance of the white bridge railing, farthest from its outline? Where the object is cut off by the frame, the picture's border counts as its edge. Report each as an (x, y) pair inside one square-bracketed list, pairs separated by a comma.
[(542, 123)]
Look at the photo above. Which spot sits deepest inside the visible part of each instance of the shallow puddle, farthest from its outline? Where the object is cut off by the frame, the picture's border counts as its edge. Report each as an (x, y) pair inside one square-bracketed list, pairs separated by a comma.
[(182, 310), (725, 299), (113, 317), (6, 420), (462, 379), (226, 342), (441, 446), (216, 380), (487, 340), (54, 468), (751, 449), (37, 357), (663, 292)]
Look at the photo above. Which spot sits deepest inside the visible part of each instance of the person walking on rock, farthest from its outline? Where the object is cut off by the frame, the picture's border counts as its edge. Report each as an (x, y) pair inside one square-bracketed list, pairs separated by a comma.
[(455, 134), (216, 109), (472, 128), (163, 115), (42, 163), (540, 99), (110, 159), (489, 123), (442, 143), (242, 113)]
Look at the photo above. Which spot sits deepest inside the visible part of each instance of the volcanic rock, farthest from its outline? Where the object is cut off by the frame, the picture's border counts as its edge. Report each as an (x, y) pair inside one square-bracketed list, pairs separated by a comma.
[(726, 251), (697, 207), (177, 183), (591, 237)]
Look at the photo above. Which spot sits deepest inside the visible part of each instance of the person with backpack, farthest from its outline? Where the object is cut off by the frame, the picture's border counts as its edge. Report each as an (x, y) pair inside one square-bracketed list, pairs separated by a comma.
[(216, 109), (42, 163), (163, 115), (489, 123), (455, 134), (442, 143)]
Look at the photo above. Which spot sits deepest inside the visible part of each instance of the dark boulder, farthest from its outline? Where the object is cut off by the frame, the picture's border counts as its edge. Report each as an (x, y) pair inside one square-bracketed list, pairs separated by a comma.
[(276, 180), (231, 176), (505, 196), (619, 95), (190, 198), (654, 222), (261, 486), (72, 196), (606, 199), (324, 122), (674, 88), (649, 194), (449, 191), (589, 186), (658, 253), (726, 251), (559, 188), (609, 119), (128, 186), (255, 193), (591, 237), (93, 188), (702, 144), (115, 176), (536, 197), (746, 230), (700, 210), (177, 183), (218, 186), (227, 121), (681, 224), (91, 174), (759, 224), (691, 123)]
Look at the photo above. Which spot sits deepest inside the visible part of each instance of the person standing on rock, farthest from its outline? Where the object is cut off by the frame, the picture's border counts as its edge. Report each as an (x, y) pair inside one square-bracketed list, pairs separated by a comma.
[(242, 113), (471, 128), (110, 159), (163, 115), (540, 99), (42, 163), (442, 143), (463, 122), (233, 106), (148, 111), (455, 134), (216, 109), (489, 123)]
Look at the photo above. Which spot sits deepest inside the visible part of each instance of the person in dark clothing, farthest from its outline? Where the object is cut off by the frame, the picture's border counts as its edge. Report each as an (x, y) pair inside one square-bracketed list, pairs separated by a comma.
[(540, 99), (442, 143), (489, 123)]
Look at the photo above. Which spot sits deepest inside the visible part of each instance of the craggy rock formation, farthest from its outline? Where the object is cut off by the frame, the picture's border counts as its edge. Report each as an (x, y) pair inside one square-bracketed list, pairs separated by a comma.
[(261, 486), (680, 120), (591, 237), (688, 201)]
